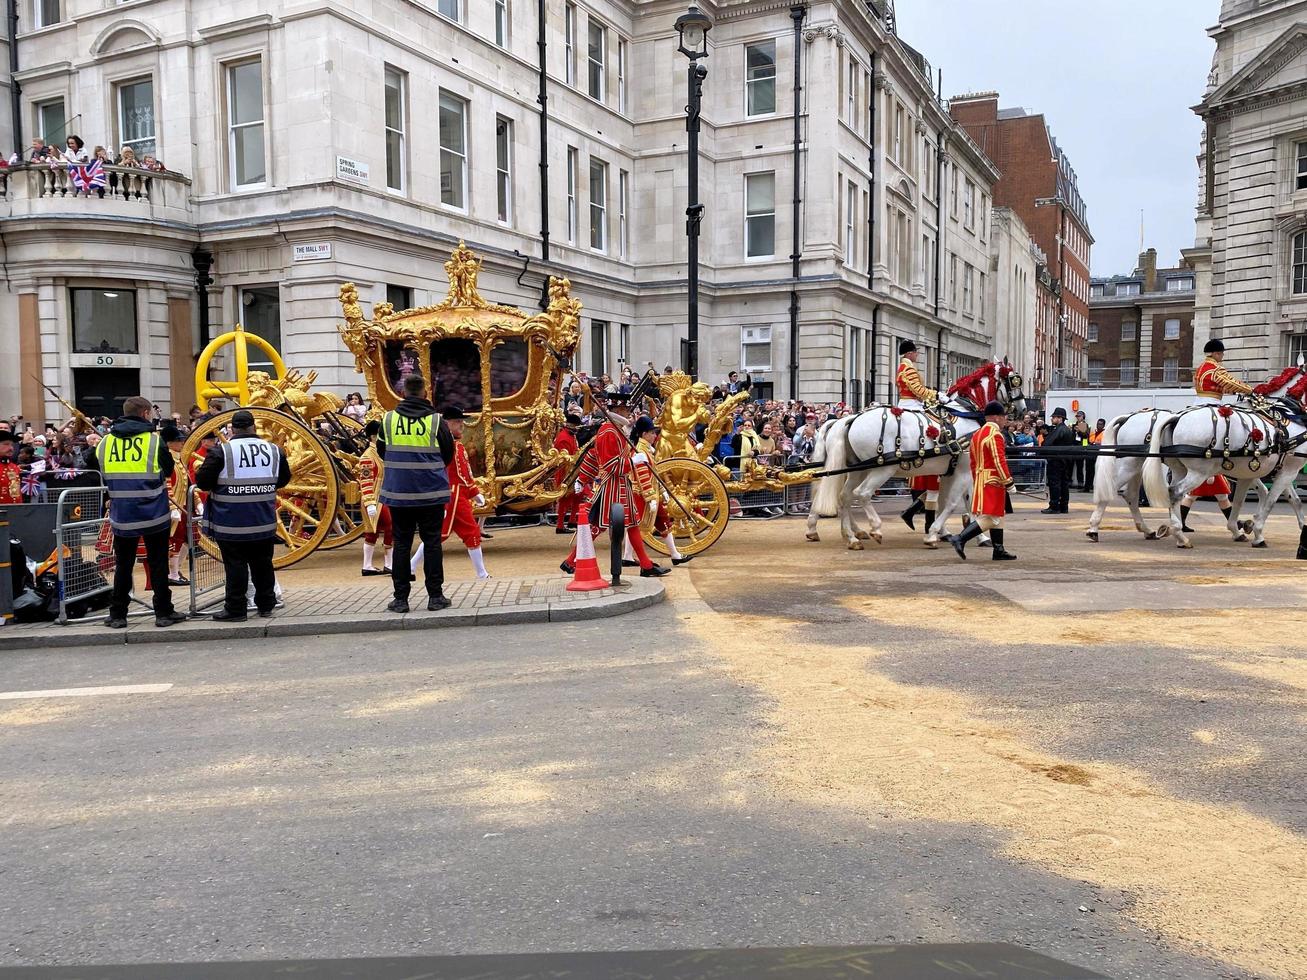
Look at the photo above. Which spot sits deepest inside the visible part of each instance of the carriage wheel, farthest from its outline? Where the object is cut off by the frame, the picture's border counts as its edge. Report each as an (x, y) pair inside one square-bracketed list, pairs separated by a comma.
[(307, 506), (699, 508), (348, 525)]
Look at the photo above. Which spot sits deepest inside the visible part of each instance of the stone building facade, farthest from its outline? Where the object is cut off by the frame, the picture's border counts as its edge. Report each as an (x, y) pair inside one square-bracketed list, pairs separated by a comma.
[(1141, 326), (313, 143), (1039, 184), (1251, 242)]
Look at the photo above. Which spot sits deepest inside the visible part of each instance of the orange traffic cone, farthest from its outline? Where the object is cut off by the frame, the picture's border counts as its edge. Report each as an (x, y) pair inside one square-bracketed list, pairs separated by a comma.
[(585, 577)]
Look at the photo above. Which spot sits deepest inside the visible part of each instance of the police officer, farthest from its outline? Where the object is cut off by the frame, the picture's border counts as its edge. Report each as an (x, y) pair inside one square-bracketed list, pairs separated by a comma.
[(1059, 467), (242, 477), (135, 463), (415, 446)]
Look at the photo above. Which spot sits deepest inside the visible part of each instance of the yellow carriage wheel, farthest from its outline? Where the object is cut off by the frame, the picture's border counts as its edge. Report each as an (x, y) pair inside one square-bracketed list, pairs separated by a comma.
[(348, 525), (306, 506), (699, 508), (239, 389)]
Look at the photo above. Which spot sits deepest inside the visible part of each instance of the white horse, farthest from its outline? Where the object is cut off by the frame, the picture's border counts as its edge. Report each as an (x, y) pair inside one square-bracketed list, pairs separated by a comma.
[(1291, 406), (1116, 476), (1240, 443), (908, 443)]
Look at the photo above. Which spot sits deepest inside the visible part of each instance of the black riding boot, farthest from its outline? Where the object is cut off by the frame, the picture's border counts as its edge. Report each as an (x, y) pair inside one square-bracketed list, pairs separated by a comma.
[(1184, 520), (1000, 553), (1302, 544), (917, 507), (959, 541), (930, 519)]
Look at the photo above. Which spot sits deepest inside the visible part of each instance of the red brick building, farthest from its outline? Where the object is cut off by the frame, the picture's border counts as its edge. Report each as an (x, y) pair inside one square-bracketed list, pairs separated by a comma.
[(1038, 183), (1141, 327)]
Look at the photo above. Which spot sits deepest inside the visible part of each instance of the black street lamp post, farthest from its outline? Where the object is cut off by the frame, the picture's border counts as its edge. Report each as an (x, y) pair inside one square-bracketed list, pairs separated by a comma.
[(693, 27)]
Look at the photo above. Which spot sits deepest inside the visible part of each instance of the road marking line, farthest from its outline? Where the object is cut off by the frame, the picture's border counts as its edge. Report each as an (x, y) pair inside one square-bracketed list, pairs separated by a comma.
[(85, 692)]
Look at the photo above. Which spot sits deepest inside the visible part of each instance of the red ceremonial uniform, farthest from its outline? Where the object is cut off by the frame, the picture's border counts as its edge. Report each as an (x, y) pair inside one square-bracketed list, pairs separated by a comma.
[(609, 476), (11, 484), (459, 518), (643, 459), (1217, 486), (1213, 381), (910, 386), (565, 442), (369, 474), (989, 472)]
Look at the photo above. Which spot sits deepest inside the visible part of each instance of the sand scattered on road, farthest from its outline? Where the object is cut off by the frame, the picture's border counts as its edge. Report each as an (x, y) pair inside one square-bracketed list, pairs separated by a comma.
[(1227, 883), (409, 701), (38, 711)]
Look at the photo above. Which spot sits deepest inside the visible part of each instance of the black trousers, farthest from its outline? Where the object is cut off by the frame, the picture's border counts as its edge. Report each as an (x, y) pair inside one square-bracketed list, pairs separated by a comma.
[(1078, 472), (1059, 484), (156, 560), (426, 521), (1091, 467), (243, 561)]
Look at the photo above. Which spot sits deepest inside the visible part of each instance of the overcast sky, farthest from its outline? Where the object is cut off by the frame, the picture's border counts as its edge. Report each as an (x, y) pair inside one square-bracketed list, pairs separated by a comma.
[(1114, 80)]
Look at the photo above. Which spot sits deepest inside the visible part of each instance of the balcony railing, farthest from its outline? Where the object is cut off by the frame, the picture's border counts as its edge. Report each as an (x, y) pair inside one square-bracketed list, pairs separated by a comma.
[(38, 189)]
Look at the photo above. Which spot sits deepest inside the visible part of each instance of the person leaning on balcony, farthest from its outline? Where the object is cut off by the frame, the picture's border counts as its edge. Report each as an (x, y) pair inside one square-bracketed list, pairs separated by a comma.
[(39, 153), (152, 164), (127, 158), (74, 154)]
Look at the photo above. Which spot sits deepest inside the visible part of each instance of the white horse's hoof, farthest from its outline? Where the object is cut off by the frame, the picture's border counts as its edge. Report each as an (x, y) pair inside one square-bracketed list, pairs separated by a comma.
[(1259, 544), (1161, 532), (862, 535), (813, 536), (1151, 535), (877, 537), (931, 545), (1240, 536), (1184, 544), (1246, 526), (1092, 536), (856, 545)]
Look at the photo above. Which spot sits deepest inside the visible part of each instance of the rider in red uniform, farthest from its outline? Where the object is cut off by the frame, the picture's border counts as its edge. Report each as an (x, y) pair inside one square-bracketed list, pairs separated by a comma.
[(1211, 382), (991, 480), (915, 396), (565, 442)]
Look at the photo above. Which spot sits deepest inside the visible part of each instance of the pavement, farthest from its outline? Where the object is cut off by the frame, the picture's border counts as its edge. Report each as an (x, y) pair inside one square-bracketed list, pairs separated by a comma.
[(801, 745)]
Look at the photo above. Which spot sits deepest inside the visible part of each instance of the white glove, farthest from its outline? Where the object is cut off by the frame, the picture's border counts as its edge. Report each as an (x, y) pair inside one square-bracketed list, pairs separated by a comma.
[(176, 514), (199, 508), (372, 511), (481, 500), (576, 487)]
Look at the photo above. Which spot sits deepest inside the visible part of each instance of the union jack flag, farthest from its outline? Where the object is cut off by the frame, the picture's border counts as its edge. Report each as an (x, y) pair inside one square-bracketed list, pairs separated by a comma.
[(32, 485), (90, 176)]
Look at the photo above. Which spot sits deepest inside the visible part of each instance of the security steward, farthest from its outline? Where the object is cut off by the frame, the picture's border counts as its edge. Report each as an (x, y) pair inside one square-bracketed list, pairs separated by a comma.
[(135, 463), (242, 477), (415, 446)]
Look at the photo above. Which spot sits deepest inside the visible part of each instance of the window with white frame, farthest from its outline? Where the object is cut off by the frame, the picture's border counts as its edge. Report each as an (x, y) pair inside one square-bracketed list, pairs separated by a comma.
[(569, 43), (1096, 290), (623, 209), (760, 78), (1297, 347), (900, 122), (953, 194), (596, 55), (502, 23), (1299, 276), (760, 215), (1129, 329), (969, 205), (1128, 373), (623, 53), (1300, 174), (51, 122), (247, 154), (1171, 371), (851, 96), (1095, 372), (968, 288), (136, 116), (984, 217), (1127, 288), (453, 151), (573, 164), (504, 169), (905, 253), (981, 299), (851, 224), (624, 343), (1091, 334), (396, 83), (598, 348), (46, 13), (1179, 284), (755, 349), (1171, 329), (953, 281), (450, 8), (598, 205)]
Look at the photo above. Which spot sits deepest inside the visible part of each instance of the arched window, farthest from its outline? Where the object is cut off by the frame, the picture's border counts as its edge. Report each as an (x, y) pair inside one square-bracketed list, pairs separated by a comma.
[(1299, 269)]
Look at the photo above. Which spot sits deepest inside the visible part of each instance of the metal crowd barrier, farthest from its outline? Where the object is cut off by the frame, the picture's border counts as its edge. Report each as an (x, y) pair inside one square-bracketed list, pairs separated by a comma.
[(1030, 476), (83, 548), (208, 577), (6, 572), (764, 504)]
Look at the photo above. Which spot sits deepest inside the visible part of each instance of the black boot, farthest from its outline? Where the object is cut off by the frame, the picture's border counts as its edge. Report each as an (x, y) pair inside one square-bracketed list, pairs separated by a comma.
[(1184, 520), (917, 507), (930, 520), (1000, 554), (1302, 545), (959, 541)]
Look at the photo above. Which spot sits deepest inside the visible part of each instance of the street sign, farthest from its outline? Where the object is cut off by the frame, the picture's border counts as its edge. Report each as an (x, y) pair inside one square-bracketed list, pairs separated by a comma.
[(355, 170), (312, 251)]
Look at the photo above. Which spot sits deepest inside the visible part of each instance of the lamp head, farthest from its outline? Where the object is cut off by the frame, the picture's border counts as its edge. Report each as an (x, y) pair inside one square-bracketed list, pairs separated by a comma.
[(693, 27)]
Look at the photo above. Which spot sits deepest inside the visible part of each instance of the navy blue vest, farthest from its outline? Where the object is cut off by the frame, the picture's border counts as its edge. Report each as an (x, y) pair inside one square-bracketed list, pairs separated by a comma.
[(413, 472), (243, 507)]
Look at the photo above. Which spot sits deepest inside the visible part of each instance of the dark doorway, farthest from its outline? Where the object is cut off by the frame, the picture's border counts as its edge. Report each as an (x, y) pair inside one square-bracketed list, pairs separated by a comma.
[(102, 391)]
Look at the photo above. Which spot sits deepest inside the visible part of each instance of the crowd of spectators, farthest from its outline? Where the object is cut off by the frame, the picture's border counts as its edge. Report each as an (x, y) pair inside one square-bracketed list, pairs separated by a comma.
[(75, 154)]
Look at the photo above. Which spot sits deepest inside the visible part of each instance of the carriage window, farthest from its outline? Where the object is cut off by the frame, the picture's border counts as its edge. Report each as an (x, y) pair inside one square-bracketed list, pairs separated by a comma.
[(456, 371), (508, 365), (401, 361)]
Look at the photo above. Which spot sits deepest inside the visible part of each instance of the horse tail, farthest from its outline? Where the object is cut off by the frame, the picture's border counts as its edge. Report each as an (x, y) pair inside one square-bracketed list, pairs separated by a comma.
[(1159, 494), (819, 444), (826, 498), (1105, 465)]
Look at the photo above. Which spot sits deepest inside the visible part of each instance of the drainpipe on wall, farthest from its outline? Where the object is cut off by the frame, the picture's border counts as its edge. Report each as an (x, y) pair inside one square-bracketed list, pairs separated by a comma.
[(939, 247), (202, 261), (15, 90), (796, 14), (875, 333), (871, 222), (543, 98)]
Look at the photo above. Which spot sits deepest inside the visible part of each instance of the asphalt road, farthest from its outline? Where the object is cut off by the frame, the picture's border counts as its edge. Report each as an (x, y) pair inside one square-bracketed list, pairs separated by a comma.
[(607, 785)]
